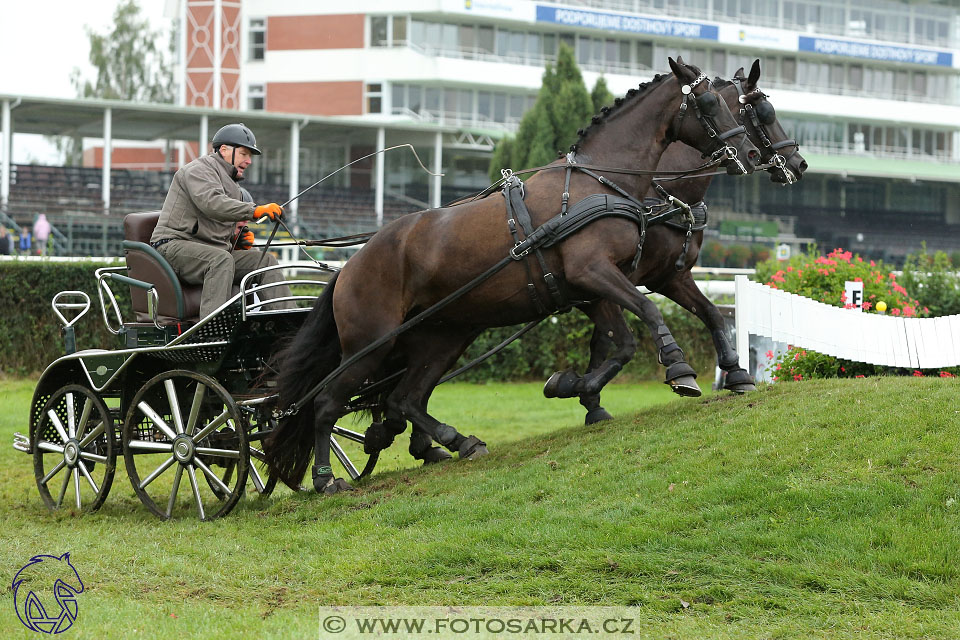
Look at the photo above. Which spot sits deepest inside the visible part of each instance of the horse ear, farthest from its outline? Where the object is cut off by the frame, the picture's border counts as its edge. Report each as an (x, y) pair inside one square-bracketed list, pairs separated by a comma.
[(739, 74), (680, 60), (681, 71), (754, 74)]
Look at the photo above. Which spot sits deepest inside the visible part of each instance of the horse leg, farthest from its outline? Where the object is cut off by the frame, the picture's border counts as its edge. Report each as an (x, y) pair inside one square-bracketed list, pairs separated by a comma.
[(607, 281), (610, 331), (684, 291), (432, 352)]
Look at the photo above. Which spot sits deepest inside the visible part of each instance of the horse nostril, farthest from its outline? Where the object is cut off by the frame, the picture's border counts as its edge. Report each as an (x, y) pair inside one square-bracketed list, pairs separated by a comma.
[(752, 155), (803, 166)]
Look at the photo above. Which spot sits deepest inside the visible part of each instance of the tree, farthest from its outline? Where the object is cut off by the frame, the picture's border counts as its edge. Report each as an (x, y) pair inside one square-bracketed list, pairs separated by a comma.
[(129, 63), (600, 96), (563, 106)]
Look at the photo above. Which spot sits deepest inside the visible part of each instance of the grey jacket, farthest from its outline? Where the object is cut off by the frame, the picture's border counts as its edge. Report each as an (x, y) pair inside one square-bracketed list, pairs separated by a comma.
[(203, 204)]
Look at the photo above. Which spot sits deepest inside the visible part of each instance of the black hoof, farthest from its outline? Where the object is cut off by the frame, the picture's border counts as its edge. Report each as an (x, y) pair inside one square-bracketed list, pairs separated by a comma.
[(597, 415), (328, 485), (739, 381), (685, 386), (377, 437), (472, 448), (741, 389), (434, 455), (562, 384)]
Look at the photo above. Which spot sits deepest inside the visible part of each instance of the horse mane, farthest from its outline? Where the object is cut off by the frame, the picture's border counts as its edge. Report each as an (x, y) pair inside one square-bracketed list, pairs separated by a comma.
[(608, 112), (720, 83)]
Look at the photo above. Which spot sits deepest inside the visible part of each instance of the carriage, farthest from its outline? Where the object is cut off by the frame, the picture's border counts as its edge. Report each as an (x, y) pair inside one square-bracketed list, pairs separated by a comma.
[(182, 397)]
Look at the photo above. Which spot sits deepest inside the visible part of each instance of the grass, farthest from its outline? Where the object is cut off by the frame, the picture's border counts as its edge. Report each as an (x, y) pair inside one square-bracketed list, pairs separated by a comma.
[(825, 509)]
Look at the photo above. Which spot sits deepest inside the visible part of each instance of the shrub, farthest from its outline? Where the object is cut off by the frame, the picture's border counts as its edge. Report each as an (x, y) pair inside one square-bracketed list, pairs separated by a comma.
[(712, 254), (738, 256), (933, 279), (797, 364), (759, 253), (823, 278)]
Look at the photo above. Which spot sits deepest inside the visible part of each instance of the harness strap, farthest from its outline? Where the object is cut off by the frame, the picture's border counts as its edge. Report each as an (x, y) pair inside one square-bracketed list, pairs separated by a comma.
[(517, 211)]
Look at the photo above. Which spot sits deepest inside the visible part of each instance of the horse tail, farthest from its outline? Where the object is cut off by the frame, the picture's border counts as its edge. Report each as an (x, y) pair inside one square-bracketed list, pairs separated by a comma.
[(310, 356)]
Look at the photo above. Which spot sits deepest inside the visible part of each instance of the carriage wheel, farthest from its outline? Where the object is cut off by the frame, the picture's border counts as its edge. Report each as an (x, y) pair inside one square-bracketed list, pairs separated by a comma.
[(263, 481), (185, 423), (73, 444)]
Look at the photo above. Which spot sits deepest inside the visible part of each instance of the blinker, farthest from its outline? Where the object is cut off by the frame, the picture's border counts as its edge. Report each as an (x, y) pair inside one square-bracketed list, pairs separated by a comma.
[(765, 113), (708, 103)]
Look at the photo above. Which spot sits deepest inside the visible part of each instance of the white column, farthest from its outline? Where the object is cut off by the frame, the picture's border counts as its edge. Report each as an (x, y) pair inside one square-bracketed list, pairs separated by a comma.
[(217, 49), (6, 147), (292, 208), (204, 136), (378, 185), (437, 169), (107, 153), (182, 95)]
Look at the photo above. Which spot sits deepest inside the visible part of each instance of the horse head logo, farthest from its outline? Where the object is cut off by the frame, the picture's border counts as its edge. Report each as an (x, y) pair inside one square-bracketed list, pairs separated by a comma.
[(37, 610)]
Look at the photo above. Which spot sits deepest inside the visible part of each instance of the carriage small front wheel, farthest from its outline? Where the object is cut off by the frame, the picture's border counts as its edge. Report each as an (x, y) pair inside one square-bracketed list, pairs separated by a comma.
[(181, 423), (73, 454)]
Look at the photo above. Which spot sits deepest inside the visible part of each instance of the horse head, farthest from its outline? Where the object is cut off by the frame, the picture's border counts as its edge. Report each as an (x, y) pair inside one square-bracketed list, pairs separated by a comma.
[(704, 122), (42, 575), (760, 119)]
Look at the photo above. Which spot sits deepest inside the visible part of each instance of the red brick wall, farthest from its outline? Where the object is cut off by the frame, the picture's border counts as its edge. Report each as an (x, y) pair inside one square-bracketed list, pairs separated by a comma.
[(316, 98), (315, 32)]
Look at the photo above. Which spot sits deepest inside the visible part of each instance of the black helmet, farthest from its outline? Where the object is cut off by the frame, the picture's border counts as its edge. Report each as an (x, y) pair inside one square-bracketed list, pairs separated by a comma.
[(236, 135)]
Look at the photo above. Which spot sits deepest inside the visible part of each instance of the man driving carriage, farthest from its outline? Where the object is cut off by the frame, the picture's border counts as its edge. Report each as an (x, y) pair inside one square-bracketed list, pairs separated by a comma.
[(197, 231)]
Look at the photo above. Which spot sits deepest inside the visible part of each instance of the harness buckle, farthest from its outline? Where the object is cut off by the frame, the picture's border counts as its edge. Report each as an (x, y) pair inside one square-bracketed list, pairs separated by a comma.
[(522, 254)]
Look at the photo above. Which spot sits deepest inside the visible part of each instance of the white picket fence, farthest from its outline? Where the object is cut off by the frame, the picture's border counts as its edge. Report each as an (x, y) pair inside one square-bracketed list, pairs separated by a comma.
[(918, 343)]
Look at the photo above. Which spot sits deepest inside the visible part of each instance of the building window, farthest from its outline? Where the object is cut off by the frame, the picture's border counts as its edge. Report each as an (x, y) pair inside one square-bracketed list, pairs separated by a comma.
[(378, 31), (258, 38), (255, 97), (374, 98)]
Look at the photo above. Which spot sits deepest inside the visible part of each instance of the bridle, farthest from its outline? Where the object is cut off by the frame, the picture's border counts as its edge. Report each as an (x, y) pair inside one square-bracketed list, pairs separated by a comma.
[(705, 109), (748, 112)]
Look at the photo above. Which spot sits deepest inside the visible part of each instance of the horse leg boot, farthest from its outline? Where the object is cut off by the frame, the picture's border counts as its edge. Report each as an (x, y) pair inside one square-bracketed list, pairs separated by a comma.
[(430, 352), (608, 281), (684, 291), (323, 479)]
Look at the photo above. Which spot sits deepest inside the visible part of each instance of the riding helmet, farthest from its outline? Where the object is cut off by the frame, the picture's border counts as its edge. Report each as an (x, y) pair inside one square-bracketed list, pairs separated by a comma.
[(236, 135)]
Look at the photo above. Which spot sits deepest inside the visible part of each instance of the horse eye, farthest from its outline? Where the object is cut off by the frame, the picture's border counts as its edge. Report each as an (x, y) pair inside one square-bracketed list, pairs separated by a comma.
[(765, 113), (708, 104)]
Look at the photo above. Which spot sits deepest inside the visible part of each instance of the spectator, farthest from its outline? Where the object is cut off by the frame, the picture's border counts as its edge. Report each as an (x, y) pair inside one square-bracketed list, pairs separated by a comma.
[(41, 232), (6, 246), (26, 242)]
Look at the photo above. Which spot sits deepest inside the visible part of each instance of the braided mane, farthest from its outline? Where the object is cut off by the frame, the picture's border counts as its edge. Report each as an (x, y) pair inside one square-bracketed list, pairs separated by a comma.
[(607, 112)]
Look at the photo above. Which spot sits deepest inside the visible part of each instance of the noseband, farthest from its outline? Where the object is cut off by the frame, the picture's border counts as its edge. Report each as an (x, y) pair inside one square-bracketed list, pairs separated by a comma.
[(708, 122), (747, 111)]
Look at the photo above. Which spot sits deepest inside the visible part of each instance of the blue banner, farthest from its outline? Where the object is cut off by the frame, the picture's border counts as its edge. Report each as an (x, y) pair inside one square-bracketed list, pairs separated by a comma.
[(873, 51), (629, 24)]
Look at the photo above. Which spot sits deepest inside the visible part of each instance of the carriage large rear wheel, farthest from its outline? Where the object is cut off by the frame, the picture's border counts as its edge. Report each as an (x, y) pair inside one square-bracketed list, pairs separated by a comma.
[(73, 446), (185, 423)]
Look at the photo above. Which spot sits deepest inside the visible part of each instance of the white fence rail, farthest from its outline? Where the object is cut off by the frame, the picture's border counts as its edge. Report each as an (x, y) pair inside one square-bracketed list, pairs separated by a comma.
[(918, 343)]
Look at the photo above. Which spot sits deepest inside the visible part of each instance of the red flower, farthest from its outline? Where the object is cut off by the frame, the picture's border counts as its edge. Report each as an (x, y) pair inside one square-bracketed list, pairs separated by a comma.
[(769, 355), (859, 375), (866, 306), (947, 374), (797, 378), (917, 374), (895, 312)]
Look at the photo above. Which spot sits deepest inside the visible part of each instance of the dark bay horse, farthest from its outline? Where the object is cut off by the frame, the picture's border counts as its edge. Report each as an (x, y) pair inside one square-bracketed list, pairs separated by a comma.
[(353, 332), (667, 271)]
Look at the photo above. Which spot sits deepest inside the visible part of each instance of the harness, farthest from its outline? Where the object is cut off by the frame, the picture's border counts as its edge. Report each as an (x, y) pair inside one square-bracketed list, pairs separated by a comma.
[(747, 111)]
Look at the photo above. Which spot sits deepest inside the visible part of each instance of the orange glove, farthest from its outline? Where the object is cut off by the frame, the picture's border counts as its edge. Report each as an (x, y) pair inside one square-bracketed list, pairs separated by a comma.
[(244, 240), (272, 210)]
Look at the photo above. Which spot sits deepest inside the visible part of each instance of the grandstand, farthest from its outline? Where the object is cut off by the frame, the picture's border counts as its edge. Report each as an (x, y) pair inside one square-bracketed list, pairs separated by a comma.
[(870, 88)]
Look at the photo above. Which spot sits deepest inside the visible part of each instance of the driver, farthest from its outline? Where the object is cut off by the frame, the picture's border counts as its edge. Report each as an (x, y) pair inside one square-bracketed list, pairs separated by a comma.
[(197, 230)]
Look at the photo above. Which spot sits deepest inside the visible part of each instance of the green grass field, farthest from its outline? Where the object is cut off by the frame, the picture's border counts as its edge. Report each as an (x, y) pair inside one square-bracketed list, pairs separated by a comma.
[(824, 509)]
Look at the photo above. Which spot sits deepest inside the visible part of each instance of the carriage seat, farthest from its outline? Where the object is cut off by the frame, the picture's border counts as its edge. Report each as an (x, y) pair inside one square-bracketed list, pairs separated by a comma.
[(176, 301)]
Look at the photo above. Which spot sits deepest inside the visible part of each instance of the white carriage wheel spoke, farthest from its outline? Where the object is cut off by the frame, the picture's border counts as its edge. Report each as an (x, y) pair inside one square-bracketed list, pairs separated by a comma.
[(198, 395), (43, 445), (86, 474), (63, 489), (156, 472), (147, 445), (176, 488), (223, 453), (93, 457), (76, 485), (174, 401), (84, 417), (71, 416), (192, 474), (97, 430), (157, 420), (55, 421), (257, 480), (214, 424), (212, 476), (56, 469)]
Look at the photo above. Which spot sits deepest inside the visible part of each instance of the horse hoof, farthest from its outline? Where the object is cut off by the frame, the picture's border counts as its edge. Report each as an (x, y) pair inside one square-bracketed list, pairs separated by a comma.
[(473, 448), (562, 384), (328, 485), (685, 386), (741, 389), (597, 415), (433, 455)]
